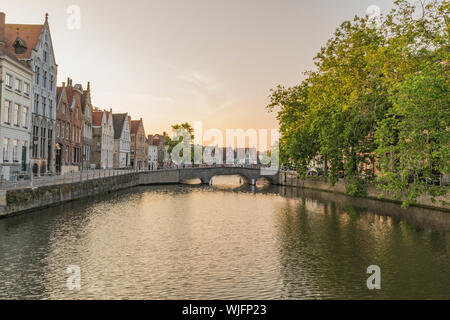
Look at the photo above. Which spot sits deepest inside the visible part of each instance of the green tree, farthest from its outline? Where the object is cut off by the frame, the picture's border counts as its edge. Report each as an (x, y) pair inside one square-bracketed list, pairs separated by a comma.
[(414, 139), (360, 101)]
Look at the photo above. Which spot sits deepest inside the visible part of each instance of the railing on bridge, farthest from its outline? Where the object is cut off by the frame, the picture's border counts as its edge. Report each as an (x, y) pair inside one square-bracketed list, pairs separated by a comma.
[(22, 181)]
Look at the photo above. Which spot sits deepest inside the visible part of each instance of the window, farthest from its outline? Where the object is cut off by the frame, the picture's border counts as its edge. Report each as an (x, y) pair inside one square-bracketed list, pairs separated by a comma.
[(6, 113), (26, 88), (43, 142), (67, 131), (67, 154), (5, 150), (50, 106), (16, 114), (51, 82), (45, 56), (9, 81), (63, 108), (16, 150), (36, 103), (18, 85), (38, 74), (24, 155), (58, 125), (62, 130), (44, 79), (25, 117), (35, 141), (44, 106)]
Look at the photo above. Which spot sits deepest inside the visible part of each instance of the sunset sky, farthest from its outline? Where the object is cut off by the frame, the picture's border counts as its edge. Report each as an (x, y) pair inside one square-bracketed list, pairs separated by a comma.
[(173, 61)]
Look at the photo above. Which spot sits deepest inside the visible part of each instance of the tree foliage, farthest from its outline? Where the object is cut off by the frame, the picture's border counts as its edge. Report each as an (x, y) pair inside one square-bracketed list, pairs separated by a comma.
[(377, 102)]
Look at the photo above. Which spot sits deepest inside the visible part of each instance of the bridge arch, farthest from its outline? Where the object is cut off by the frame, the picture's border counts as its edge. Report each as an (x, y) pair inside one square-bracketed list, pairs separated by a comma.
[(250, 175)]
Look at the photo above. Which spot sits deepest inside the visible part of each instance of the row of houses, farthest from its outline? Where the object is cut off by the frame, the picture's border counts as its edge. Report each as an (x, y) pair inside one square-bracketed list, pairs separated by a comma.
[(47, 129)]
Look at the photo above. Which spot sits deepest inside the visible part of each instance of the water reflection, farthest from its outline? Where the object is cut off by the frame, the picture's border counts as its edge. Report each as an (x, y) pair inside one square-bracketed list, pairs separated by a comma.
[(242, 242)]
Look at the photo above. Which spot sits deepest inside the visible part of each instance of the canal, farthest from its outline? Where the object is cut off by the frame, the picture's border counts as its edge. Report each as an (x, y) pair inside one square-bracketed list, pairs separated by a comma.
[(218, 242)]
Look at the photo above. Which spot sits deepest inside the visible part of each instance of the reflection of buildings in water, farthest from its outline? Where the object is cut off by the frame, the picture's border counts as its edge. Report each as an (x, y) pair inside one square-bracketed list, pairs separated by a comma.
[(22, 273)]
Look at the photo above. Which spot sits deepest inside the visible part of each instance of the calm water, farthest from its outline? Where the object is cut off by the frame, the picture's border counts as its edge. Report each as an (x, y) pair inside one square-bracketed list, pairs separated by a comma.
[(185, 242)]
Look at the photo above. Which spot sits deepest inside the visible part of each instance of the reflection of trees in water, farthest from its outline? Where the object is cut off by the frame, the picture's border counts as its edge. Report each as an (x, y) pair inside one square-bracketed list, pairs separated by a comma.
[(326, 253)]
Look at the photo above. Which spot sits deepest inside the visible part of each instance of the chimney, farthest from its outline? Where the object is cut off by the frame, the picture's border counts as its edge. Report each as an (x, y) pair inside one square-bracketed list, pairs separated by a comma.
[(89, 86), (2, 28), (63, 84)]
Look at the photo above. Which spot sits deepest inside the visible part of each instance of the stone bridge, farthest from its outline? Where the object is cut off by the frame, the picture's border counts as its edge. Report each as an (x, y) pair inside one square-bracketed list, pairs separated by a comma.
[(250, 175)]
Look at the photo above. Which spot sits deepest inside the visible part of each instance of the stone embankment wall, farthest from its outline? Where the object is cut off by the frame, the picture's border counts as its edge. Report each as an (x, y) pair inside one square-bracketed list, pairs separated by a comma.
[(291, 179), (29, 199)]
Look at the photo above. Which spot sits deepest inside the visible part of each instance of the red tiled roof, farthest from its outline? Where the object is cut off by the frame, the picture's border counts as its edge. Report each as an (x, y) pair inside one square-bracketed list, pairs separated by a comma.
[(97, 117), (29, 33)]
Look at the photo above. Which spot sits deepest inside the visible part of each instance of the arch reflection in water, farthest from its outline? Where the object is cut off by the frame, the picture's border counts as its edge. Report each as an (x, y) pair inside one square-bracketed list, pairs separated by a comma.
[(236, 181)]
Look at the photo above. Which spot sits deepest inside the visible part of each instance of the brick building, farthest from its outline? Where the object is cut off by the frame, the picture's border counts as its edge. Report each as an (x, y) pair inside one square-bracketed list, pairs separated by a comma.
[(139, 148), (69, 128)]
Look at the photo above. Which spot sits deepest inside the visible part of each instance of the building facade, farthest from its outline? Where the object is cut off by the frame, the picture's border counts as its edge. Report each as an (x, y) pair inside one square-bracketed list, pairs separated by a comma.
[(86, 105), (15, 113), (69, 130), (152, 157), (33, 44), (122, 140), (139, 149), (158, 140), (103, 139)]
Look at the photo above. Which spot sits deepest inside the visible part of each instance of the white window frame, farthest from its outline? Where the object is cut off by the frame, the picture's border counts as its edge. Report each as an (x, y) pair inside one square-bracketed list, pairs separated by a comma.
[(7, 112), (16, 115)]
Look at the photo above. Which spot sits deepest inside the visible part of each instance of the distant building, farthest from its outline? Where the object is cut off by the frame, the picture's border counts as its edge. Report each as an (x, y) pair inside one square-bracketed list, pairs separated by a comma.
[(158, 140), (69, 131), (33, 44), (246, 156), (152, 157), (15, 110), (239, 156), (87, 109), (213, 155), (103, 139), (122, 140), (139, 149)]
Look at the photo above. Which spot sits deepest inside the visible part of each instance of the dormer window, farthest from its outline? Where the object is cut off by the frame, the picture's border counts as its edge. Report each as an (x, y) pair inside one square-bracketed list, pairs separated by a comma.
[(45, 56), (19, 46)]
